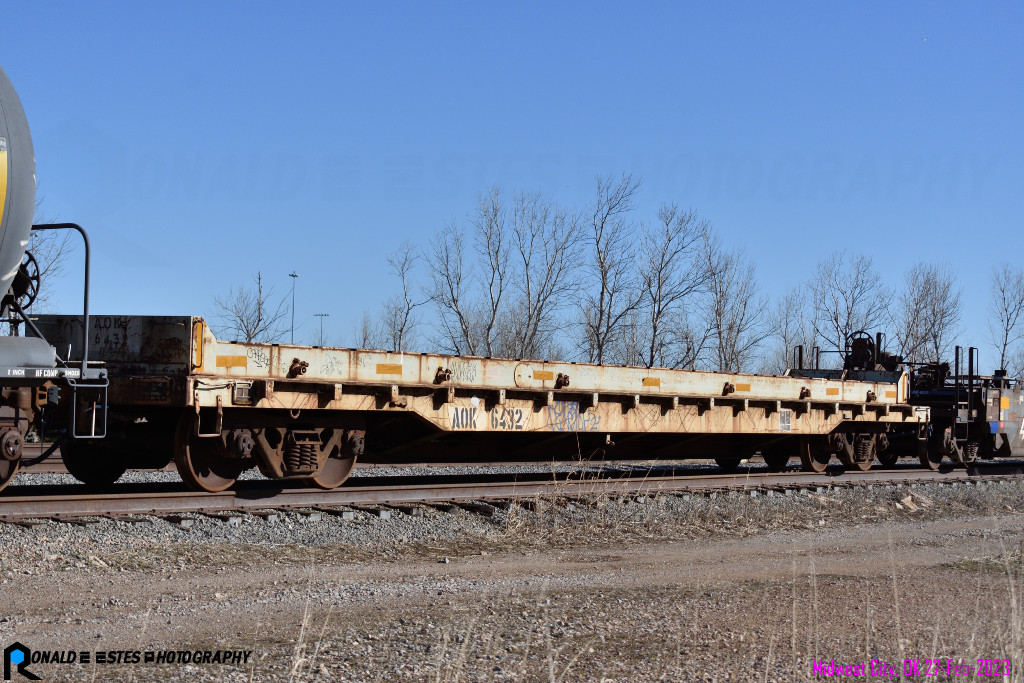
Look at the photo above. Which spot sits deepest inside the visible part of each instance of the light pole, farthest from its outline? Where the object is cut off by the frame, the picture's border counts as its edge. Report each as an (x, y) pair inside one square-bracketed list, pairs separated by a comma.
[(321, 316), (294, 276)]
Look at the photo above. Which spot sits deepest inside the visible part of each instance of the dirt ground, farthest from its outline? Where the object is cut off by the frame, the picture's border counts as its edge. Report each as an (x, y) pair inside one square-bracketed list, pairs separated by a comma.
[(908, 596)]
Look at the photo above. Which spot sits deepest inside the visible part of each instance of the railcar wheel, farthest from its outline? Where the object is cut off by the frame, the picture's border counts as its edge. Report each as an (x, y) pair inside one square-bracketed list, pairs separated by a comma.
[(937, 446), (94, 464), (863, 455), (930, 459), (8, 468), (776, 462), (334, 472), (888, 459), (970, 452), (886, 451), (814, 455), (199, 463), (728, 464)]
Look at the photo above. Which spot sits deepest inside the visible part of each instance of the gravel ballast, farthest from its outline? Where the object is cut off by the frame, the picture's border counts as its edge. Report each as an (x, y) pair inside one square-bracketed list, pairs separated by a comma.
[(698, 587)]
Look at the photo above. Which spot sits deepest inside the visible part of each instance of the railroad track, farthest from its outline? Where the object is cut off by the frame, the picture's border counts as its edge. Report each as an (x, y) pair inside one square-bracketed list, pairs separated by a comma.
[(474, 492)]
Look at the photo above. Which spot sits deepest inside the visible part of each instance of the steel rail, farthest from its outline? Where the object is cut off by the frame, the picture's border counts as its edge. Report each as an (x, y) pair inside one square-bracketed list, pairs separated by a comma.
[(444, 489)]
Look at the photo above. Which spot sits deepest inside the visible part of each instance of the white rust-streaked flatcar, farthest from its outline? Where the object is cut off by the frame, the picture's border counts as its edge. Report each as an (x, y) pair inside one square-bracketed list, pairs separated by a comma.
[(218, 408)]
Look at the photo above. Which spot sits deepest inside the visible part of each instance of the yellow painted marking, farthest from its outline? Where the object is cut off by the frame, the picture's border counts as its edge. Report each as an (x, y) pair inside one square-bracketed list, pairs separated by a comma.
[(831, 391), (389, 368), (3, 184), (890, 394), (197, 333), (1004, 403), (742, 387), (652, 381), (543, 374), (231, 361)]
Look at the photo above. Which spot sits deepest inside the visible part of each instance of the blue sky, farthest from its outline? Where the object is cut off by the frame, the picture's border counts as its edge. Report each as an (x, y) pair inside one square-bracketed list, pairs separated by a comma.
[(200, 142)]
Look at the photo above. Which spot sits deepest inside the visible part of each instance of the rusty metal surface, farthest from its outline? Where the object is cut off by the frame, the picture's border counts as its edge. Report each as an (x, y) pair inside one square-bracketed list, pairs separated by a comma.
[(21, 507), (160, 345), (179, 362), (130, 345)]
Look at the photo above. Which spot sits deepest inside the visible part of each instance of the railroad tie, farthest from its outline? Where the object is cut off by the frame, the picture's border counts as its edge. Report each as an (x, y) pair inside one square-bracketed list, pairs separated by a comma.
[(129, 520), (267, 515), (77, 521), (382, 513), (179, 521), (345, 513), (27, 523), (232, 519), (479, 508), (410, 510)]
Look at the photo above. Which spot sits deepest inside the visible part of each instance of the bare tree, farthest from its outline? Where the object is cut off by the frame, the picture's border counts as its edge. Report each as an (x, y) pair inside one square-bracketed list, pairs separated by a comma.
[(367, 334), (926, 313), (847, 295), (688, 338), (735, 311), (450, 290), (615, 293), (671, 271), (51, 249), (791, 326), (492, 245), (1015, 364), (1006, 324), (543, 279), (399, 321), (685, 338), (250, 313), (469, 323)]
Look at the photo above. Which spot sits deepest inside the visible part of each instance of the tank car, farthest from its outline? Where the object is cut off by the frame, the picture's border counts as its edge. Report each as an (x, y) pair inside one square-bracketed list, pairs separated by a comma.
[(29, 365)]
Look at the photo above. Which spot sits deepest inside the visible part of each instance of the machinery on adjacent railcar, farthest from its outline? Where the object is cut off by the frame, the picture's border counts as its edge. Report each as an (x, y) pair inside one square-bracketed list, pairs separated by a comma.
[(971, 416), (32, 374), (863, 360)]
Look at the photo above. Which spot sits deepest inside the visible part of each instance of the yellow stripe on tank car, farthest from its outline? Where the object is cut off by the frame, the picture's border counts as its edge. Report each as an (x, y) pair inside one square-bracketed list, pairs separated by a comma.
[(543, 375), (232, 361), (652, 382), (389, 369), (3, 181)]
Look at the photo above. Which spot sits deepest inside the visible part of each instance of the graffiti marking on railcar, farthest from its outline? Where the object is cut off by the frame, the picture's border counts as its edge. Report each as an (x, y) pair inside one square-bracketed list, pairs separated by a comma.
[(507, 419), (332, 366), (259, 357), (463, 417), (463, 372), (565, 416)]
